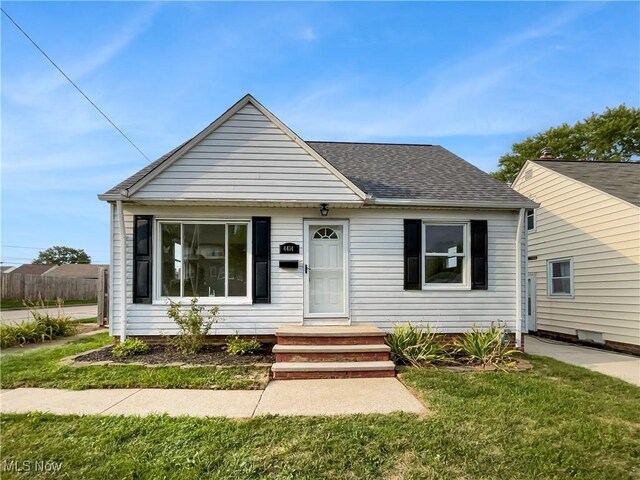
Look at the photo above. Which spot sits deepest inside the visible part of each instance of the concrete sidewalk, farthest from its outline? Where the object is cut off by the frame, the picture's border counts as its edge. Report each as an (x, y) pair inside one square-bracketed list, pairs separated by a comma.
[(289, 397), (625, 367)]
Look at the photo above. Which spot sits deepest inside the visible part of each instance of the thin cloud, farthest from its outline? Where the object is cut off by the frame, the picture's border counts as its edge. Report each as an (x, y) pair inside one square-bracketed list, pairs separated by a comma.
[(32, 91), (307, 34), (484, 94)]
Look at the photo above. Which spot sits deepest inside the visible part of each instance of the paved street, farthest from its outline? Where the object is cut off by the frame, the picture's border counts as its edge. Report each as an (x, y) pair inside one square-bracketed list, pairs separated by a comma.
[(75, 312)]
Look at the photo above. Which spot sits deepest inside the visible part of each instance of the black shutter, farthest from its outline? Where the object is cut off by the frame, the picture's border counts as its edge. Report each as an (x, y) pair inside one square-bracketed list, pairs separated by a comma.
[(412, 254), (142, 254), (261, 228), (479, 255)]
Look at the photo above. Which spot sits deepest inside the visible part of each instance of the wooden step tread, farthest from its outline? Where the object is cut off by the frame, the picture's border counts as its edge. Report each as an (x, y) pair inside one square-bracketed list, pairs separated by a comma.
[(332, 366), (331, 348), (329, 331)]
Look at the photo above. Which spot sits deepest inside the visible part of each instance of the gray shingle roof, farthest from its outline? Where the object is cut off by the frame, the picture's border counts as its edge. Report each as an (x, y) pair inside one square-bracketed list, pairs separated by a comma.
[(426, 172), (620, 179)]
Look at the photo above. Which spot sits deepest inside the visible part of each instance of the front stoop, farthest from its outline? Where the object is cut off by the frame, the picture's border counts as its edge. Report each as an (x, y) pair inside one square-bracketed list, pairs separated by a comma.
[(331, 352)]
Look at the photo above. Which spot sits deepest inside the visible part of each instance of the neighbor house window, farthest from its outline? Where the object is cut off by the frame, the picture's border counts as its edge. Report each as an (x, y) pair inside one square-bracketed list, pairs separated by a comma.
[(445, 254), (531, 219), (203, 259), (560, 277)]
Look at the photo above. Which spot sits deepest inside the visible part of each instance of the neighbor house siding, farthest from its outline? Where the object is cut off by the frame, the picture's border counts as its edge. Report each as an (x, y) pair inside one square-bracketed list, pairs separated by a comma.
[(376, 273), (248, 157), (602, 235)]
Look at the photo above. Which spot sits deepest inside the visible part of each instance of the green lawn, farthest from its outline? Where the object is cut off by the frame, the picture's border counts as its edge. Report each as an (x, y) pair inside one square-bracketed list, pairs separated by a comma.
[(19, 305), (553, 422), (42, 368)]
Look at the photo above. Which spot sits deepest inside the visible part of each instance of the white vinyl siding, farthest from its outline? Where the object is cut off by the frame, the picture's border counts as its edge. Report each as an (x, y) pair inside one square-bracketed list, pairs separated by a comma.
[(248, 158), (376, 257), (601, 234)]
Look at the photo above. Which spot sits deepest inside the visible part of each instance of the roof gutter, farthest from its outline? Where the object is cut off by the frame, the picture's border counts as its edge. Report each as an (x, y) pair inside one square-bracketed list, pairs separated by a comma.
[(518, 249), (420, 202)]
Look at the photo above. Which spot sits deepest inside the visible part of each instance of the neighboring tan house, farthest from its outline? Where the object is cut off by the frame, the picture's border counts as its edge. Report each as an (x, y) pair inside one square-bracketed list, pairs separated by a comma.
[(584, 250), (281, 233)]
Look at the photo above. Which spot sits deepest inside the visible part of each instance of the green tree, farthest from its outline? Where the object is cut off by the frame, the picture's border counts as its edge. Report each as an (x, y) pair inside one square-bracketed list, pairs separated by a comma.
[(612, 136), (60, 255)]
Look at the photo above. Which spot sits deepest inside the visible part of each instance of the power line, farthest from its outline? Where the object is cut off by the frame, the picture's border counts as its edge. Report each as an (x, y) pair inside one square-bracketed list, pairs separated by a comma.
[(72, 83)]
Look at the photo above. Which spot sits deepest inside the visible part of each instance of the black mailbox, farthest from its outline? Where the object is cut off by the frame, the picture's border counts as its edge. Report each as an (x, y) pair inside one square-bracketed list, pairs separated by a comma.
[(289, 264)]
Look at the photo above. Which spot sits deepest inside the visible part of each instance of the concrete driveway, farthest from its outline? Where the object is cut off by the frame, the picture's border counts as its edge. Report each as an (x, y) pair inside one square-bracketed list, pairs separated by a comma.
[(625, 367), (75, 312)]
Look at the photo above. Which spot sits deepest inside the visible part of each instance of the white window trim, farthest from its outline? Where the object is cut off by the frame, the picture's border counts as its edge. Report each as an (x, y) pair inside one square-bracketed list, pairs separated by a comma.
[(549, 278), (159, 299), (466, 270), (535, 220)]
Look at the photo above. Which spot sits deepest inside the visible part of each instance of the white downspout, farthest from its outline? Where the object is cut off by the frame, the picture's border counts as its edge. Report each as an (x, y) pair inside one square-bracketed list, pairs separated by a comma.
[(518, 245), (123, 272)]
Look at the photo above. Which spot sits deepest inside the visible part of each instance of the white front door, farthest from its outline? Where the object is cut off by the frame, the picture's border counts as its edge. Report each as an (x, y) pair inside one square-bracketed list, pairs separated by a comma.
[(325, 268), (531, 303)]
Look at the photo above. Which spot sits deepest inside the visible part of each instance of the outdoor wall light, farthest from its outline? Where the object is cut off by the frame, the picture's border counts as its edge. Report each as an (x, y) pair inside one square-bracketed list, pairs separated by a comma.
[(324, 210)]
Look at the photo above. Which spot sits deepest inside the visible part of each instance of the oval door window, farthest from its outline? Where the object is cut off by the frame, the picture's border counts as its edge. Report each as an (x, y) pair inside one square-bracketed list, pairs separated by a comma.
[(325, 233)]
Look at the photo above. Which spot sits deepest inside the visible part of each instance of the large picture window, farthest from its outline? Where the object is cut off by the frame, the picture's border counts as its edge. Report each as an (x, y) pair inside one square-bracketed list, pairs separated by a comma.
[(445, 254), (560, 277), (203, 259)]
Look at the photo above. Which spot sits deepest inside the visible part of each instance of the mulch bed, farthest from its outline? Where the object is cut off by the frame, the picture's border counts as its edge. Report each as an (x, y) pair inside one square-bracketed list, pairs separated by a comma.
[(213, 355)]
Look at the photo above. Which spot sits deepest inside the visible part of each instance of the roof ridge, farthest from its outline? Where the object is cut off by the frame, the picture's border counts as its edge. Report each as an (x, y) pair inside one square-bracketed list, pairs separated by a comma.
[(375, 143), (611, 162)]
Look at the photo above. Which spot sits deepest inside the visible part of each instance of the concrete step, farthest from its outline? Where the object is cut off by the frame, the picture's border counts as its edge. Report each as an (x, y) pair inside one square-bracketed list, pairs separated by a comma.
[(331, 353), (330, 348), (302, 370), (329, 331)]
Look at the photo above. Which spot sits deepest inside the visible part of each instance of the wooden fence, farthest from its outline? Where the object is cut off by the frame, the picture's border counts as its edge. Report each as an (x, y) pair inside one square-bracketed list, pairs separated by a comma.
[(16, 286), (103, 298)]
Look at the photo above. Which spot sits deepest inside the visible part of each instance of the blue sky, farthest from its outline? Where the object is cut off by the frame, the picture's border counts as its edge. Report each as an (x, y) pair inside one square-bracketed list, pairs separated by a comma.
[(473, 77)]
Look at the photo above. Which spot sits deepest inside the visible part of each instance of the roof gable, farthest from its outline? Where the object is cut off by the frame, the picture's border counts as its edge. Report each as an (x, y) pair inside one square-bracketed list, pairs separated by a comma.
[(618, 179), (245, 155)]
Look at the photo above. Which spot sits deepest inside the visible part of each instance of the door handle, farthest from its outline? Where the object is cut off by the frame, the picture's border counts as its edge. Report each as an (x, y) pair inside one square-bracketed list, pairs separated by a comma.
[(306, 268)]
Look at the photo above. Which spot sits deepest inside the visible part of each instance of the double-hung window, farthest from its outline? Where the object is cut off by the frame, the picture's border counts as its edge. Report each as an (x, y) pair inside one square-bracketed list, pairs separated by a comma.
[(445, 255), (204, 259), (560, 277), (531, 219)]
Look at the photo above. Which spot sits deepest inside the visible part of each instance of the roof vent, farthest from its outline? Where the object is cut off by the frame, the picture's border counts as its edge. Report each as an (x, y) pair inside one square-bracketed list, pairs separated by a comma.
[(546, 154)]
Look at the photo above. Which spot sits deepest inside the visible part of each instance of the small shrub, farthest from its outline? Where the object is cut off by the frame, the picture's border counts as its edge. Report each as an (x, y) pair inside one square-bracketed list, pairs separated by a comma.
[(242, 346), (486, 347), (130, 347), (194, 325), (411, 345), (43, 327)]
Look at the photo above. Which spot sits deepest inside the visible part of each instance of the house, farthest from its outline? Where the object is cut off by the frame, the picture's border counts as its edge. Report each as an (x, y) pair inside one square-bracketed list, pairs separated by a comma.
[(32, 269), (280, 232), (584, 251), (76, 270)]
